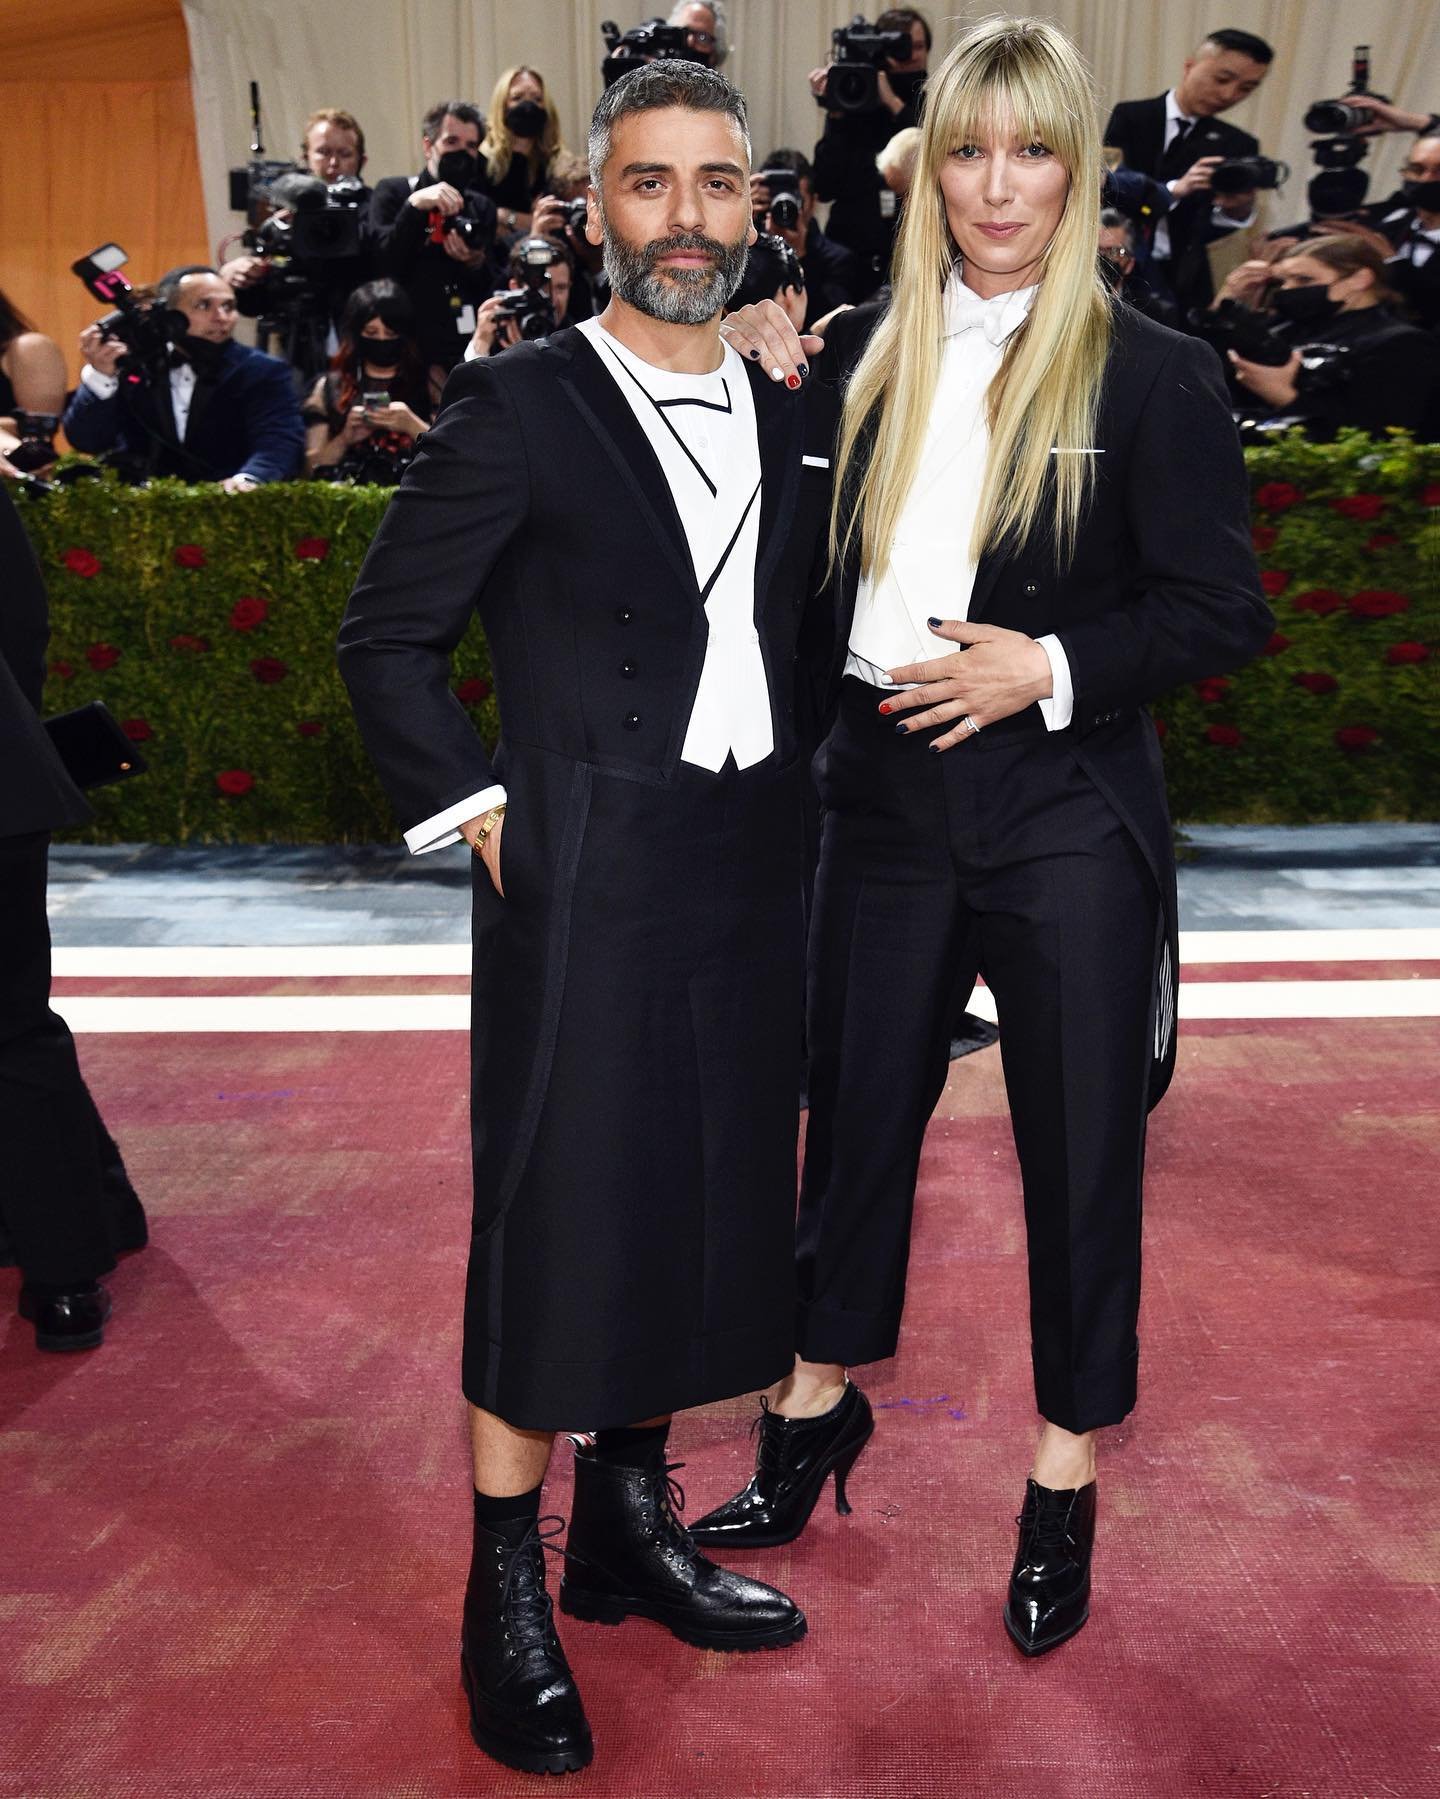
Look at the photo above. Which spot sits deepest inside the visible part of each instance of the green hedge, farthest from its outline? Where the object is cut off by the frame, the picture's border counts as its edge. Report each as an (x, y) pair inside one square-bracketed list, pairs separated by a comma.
[(207, 624)]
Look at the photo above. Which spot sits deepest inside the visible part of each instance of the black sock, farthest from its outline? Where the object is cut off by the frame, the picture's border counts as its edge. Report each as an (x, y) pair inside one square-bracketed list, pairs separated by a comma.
[(631, 1447), (509, 1517)]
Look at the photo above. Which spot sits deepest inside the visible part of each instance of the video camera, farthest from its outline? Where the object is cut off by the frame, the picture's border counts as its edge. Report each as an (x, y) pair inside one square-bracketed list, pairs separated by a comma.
[(531, 306), (1341, 186), (147, 329), (860, 52), (650, 42), (784, 208), (1233, 326), (1244, 174), (314, 223), (770, 266)]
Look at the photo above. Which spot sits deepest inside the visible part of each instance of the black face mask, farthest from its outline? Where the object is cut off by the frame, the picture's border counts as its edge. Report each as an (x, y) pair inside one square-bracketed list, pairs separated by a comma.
[(526, 118), (1423, 195), (204, 355), (382, 352), (459, 167), (1306, 305)]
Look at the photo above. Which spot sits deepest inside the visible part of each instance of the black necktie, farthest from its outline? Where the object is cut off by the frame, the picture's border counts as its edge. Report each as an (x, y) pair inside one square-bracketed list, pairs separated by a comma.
[(1173, 162)]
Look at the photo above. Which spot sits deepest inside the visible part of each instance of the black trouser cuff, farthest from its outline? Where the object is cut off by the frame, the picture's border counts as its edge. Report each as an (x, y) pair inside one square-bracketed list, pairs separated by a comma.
[(1090, 1399), (844, 1337)]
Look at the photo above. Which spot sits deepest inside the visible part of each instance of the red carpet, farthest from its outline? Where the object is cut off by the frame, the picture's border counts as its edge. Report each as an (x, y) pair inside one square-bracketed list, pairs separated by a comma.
[(234, 1538)]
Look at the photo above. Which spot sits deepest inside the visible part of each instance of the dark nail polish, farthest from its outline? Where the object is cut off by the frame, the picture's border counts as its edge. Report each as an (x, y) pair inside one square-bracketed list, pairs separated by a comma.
[(792, 382), (900, 727), (934, 748), (754, 355), (932, 622), (804, 368)]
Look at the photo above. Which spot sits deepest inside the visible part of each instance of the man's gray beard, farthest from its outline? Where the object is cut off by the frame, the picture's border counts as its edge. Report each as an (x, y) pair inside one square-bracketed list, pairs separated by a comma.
[(682, 296)]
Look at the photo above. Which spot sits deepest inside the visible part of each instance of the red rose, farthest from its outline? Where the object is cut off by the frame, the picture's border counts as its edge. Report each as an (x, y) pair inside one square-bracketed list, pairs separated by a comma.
[(471, 690), (1212, 688), (1317, 683), (1162, 730), (64, 670), (189, 555), (1278, 496), (268, 670), (313, 549), (248, 612), (81, 562), (1359, 506), (1263, 537), (1277, 645), (235, 781), (101, 656), (1318, 599), (1356, 737), (137, 729), (1400, 653), (185, 642), (310, 727), (1430, 494), (1226, 737), (1274, 581), (1382, 540), (1377, 602)]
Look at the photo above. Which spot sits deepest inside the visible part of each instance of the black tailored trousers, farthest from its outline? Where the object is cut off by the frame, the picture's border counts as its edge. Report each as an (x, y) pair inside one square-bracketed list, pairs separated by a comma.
[(998, 853), (66, 1203)]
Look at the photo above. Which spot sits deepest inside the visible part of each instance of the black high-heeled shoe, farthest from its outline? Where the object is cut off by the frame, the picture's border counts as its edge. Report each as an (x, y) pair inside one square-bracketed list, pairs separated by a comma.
[(794, 1459), (1049, 1598)]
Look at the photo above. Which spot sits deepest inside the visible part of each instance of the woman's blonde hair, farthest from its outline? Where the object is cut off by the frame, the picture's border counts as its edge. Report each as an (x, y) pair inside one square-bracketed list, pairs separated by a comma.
[(1046, 393), (498, 147)]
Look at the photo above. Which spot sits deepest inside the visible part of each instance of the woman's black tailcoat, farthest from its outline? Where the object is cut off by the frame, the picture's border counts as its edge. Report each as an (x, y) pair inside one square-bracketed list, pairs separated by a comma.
[(637, 993)]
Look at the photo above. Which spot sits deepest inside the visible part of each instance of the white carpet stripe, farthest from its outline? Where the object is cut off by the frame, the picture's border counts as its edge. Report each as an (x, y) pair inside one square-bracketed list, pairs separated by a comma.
[(263, 962), (325, 1013)]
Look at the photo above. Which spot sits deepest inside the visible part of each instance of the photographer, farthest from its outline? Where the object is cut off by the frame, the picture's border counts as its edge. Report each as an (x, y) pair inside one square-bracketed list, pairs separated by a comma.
[(536, 302), (782, 201), (1179, 138), (1410, 220), (1351, 361), (706, 32), (225, 412), (864, 213), (305, 296), (434, 231), (32, 386), (772, 272), (1119, 267), (560, 214), (364, 415), (520, 143)]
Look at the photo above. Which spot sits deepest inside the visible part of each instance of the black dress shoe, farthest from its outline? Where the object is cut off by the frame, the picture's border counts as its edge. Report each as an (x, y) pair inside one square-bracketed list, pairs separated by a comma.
[(525, 1708), (1050, 1583), (794, 1459), (629, 1556), (67, 1317)]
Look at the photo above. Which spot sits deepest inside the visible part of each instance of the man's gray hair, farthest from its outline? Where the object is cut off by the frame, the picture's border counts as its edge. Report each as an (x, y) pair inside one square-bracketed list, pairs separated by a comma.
[(669, 82), (716, 9), (1112, 219)]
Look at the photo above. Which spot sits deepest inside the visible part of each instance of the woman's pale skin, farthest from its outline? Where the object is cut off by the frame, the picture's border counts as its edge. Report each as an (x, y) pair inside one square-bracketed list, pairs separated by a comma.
[(322, 450), (1003, 177), (1355, 292)]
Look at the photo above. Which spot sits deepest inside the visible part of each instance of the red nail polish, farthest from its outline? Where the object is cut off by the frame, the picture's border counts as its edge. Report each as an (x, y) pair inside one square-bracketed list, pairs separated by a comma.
[(885, 707), (792, 382)]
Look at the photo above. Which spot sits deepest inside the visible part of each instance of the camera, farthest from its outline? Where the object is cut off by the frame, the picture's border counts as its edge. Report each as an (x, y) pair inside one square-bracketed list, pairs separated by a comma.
[(860, 53), (1243, 174), (471, 232), (36, 448), (1232, 326), (770, 266), (146, 329), (784, 186), (531, 306), (1341, 185), (574, 213), (626, 50), (315, 223)]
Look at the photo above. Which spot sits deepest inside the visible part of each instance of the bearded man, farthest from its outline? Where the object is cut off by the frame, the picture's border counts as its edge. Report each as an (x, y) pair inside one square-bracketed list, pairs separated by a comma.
[(638, 515)]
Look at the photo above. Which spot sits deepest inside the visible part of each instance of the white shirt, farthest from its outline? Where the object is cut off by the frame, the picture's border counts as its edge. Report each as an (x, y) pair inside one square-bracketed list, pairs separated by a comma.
[(1419, 246), (702, 430), (931, 573), (1160, 249), (182, 389)]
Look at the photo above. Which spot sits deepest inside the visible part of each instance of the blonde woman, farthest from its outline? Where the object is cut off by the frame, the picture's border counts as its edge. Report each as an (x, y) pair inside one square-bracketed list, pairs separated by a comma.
[(1041, 523), (520, 142)]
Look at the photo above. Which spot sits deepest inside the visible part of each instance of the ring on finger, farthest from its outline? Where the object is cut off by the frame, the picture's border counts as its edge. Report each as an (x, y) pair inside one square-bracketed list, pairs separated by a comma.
[(970, 725)]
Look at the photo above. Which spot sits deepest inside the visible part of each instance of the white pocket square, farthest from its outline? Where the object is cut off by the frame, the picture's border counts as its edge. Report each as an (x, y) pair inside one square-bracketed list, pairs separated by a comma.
[(1054, 451), (815, 461)]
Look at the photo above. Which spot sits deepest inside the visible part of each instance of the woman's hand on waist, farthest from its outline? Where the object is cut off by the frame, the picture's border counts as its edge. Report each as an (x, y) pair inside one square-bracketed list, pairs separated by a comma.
[(994, 674)]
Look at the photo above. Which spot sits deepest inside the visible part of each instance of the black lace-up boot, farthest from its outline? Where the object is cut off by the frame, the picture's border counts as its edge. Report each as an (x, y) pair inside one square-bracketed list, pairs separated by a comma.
[(793, 1460), (1050, 1582), (629, 1555), (525, 1709)]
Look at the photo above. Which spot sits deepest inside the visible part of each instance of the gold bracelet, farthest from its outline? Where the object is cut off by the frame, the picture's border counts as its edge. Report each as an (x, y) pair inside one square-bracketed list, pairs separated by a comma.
[(487, 825)]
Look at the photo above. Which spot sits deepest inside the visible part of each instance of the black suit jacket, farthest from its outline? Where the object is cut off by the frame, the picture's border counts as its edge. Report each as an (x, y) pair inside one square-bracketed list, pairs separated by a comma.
[(1137, 127), (537, 500), (36, 794), (438, 286), (1162, 588), (247, 421)]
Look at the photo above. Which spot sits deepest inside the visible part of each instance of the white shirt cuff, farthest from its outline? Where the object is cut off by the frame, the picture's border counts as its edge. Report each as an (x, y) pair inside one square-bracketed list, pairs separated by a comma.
[(1058, 710), (104, 387), (435, 833), (1228, 222)]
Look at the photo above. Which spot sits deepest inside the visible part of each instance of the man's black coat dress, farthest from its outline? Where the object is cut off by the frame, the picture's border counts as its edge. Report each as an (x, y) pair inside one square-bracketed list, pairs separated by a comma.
[(637, 992)]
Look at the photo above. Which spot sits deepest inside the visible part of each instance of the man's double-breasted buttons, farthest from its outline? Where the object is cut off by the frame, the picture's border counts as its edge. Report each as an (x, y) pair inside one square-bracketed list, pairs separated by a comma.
[(631, 721), (624, 615), (629, 669), (1032, 587)]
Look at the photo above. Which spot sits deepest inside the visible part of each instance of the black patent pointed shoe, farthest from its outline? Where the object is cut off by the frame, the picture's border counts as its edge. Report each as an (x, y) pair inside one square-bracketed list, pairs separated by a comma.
[(1049, 1597), (793, 1460), (525, 1708), (67, 1318), (630, 1556)]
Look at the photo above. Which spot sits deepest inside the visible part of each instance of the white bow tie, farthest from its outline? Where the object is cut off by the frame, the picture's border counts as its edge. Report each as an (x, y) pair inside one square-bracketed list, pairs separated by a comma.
[(997, 318)]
